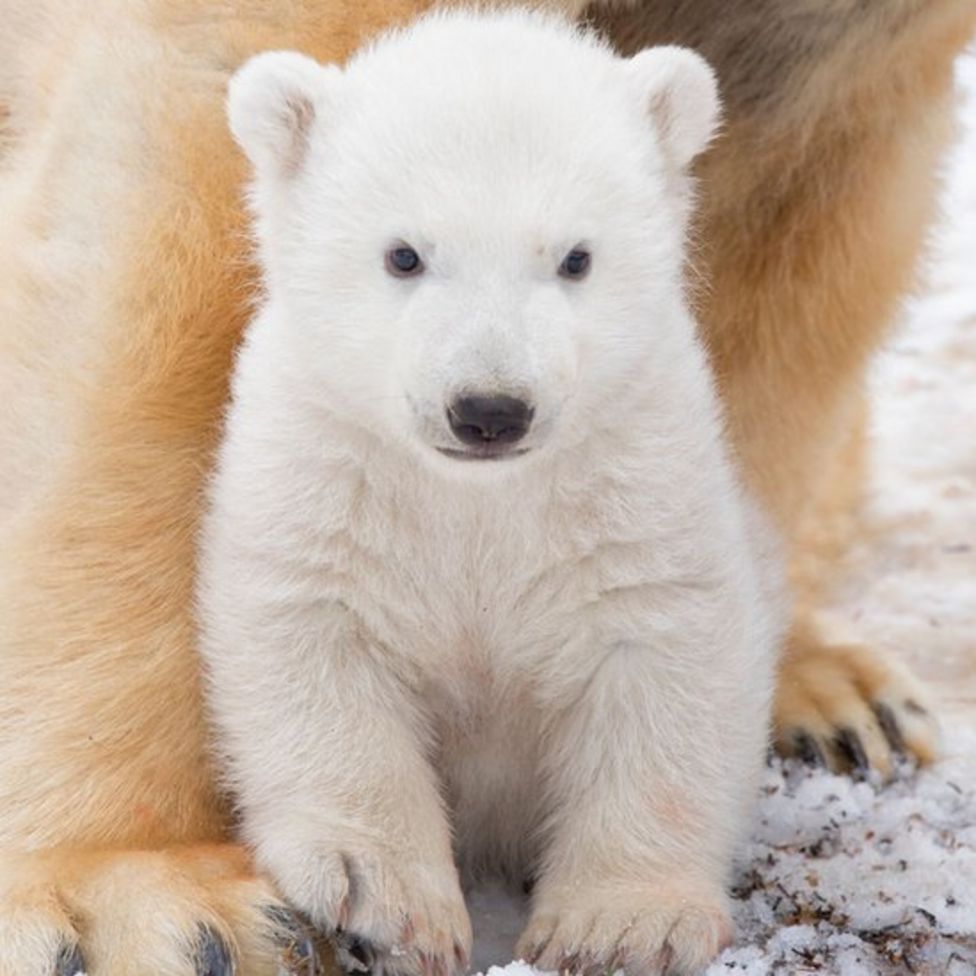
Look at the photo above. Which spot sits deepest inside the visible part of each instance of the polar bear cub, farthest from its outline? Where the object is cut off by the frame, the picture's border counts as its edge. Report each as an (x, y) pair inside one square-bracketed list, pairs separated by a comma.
[(479, 589)]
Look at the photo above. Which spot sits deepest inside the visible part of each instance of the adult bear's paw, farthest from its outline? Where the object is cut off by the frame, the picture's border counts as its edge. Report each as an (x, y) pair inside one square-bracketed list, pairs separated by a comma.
[(848, 707), (196, 911)]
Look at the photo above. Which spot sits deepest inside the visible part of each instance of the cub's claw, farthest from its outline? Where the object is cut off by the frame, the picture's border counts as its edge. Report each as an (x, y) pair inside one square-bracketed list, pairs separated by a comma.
[(70, 961), (299, 956), (354, 955), (212, 957)]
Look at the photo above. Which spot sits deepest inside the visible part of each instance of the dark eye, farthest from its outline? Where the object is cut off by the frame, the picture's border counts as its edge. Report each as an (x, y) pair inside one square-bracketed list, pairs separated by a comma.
[(576, 264), (403, 261)]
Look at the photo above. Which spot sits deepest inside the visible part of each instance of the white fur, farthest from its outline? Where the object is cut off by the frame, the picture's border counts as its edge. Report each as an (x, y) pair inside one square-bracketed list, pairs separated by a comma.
[(560, 663)]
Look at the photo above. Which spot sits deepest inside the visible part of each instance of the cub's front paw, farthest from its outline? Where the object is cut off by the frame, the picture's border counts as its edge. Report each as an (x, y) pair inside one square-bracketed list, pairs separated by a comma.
[(391, 912), (640, 929)]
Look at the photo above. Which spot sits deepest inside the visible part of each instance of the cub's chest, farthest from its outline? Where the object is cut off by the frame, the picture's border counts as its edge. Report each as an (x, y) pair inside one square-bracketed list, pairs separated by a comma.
[(490, 610), (478, 585), (467, 555), (478, 608)]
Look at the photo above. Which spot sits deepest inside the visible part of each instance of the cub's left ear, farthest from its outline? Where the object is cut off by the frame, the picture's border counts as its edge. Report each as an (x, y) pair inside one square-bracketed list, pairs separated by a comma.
[(681, 94), (272, 104)]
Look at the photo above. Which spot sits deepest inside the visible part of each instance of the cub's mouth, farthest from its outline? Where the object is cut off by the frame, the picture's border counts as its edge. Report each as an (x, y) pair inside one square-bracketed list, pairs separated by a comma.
[(487, 453)]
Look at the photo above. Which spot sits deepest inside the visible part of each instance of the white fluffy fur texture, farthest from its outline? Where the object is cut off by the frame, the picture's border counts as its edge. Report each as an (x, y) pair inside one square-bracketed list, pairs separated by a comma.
[(369, 605)]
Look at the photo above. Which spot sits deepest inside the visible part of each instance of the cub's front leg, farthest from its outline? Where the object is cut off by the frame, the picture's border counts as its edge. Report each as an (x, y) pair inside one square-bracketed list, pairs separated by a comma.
[(652, 769), (325, 752)]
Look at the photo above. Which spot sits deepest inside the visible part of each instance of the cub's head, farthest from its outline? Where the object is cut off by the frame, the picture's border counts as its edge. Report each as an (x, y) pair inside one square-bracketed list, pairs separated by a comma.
[(472, 235)]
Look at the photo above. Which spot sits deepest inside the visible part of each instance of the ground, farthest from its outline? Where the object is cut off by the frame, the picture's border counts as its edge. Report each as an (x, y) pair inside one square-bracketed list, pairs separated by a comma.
[(856, 879)]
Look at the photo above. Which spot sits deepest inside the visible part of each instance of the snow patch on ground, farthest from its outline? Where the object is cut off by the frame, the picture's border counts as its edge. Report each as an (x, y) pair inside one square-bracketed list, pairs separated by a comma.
[(851, 878)]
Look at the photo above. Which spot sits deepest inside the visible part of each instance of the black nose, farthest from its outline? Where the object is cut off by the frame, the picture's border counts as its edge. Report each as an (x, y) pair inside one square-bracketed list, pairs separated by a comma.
[(483, 421)]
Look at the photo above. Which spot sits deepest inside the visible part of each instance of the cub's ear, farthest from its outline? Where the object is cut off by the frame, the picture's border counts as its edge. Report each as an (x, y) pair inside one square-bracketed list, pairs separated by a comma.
[(681, 93), (272, 104)]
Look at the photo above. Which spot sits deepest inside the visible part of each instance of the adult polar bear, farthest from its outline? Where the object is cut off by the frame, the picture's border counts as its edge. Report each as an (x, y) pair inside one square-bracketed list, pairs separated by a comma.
[(124, 286)]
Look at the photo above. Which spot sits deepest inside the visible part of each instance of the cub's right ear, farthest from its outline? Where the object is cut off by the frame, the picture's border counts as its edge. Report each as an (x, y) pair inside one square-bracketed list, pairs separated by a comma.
[(272, 104)]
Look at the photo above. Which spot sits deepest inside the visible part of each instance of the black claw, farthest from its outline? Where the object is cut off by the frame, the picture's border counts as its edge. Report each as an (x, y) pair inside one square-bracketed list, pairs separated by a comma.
[(808, 750), (70, 961), (212, 957), (890, 727), (354, 955), (849, 745), (298, 954)]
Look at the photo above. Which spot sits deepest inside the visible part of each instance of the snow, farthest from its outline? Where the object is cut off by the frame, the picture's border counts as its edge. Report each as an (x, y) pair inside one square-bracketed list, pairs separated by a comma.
[(852, 878)]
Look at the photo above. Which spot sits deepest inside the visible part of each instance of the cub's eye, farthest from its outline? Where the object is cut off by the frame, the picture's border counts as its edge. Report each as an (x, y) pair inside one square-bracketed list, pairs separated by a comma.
[(402, 261), (576, 264)]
